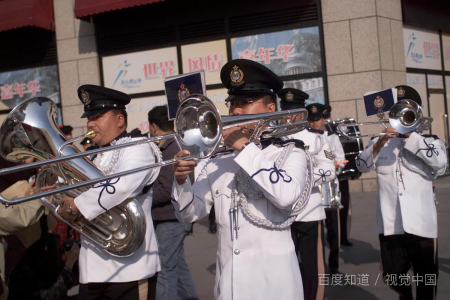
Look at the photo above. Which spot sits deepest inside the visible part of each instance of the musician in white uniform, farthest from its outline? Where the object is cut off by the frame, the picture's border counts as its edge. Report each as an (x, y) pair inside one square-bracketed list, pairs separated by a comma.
[(248, 187), (406, 211), (332, 222), (307, 229), (103, 276)]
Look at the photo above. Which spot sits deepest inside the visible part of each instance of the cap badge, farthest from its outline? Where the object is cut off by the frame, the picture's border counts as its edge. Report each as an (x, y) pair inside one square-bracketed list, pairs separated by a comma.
[(236, 75), (84, 97), (401, 92), (289, 96), (325, 111), (378, 102), (183, 92), (314, 109)]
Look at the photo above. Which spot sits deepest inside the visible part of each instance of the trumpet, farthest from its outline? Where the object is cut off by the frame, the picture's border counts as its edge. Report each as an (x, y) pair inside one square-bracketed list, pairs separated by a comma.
[(405, 116)]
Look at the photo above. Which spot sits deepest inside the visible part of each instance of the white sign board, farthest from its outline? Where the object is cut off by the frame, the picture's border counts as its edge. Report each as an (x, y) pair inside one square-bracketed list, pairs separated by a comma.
[(422, 48), (140, 72)]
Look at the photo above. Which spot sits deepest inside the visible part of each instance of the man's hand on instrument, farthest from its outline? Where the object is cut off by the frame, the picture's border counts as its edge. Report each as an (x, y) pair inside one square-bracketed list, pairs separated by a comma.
[(68, 210), (183, 168), (382, 140), (43, 188), (235, 138)]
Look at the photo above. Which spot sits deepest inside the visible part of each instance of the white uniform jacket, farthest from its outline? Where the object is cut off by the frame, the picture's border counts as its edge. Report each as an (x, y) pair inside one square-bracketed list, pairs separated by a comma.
[(324, 171), (97, 265), (337, 149), (408, 206), (260, 263)]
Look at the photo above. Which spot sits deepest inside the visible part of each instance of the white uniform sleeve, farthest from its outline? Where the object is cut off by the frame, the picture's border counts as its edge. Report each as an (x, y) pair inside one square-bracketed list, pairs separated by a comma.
[(283, 187), (105, 195), (338, 153), (365, 161), (430, 150), (324, 170), (191, 203)]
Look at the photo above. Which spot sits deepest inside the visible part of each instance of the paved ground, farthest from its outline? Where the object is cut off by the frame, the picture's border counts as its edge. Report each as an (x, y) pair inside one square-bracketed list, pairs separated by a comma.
[(362, 260)]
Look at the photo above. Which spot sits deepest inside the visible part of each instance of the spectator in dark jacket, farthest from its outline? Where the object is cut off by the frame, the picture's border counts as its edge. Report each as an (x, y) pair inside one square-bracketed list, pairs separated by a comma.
[(41, 274), (174, 280)]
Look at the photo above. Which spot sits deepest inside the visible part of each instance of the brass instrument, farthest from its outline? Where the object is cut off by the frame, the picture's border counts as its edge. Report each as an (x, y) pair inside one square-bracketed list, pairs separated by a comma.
[(405, 116), (31, 130)]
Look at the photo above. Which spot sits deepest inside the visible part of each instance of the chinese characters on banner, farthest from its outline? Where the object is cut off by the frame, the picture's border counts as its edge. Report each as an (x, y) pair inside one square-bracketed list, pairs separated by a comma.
[(207, 56), (266, 55), (17, 86), (19, 89), (140, 72), (209, 63), (422, 48), (289, 52), (446, 54)]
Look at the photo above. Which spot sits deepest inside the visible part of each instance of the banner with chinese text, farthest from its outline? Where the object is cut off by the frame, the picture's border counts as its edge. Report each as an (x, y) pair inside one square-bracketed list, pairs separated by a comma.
[(422, 48), (208, 56), (17, 86), (446, 54), (289, 52), (140, 72)]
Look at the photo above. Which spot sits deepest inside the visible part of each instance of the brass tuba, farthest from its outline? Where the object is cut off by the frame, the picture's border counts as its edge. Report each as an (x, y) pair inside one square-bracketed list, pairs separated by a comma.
[(31, 130)]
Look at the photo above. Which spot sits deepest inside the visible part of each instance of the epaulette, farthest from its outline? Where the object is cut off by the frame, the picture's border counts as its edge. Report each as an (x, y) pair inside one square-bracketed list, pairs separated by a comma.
[(222, 151), (314, 130), (430, 135), (298, 143)]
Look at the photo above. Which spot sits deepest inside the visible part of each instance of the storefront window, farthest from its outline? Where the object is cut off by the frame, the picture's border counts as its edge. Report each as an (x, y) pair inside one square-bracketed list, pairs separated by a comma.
[(17, 86), (312, 86), (289, 52)]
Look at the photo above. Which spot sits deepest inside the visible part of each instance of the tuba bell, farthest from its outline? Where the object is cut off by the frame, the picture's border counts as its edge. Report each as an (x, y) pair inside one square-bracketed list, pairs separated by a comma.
[(31, 130)]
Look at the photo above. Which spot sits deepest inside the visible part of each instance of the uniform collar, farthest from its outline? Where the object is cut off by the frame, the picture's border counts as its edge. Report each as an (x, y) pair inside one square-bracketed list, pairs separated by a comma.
[(122, 135)]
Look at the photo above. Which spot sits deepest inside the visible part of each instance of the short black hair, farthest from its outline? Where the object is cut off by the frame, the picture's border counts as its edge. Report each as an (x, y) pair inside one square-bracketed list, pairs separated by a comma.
[(267, 99), (158, 116), (121, 112)]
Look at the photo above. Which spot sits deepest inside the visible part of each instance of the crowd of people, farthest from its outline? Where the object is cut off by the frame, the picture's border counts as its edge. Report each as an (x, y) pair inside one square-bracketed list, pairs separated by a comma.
[(265, 199)]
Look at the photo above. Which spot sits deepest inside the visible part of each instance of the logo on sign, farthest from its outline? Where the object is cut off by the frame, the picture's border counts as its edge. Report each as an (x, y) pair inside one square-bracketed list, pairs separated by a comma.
[(416, 57)]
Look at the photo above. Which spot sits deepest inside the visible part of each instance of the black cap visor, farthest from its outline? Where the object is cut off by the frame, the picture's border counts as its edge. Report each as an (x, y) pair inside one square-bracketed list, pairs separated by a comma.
[(94, 112), (315, 117), (291, 105), (246, 96)]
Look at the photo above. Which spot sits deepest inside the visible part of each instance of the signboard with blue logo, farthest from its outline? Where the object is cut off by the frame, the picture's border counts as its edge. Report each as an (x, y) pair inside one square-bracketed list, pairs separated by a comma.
[(422, 48), (140, 72)]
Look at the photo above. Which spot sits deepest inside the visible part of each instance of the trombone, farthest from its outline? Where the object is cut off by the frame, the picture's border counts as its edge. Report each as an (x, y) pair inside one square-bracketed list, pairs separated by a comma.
[(405, 116), (199, 130)]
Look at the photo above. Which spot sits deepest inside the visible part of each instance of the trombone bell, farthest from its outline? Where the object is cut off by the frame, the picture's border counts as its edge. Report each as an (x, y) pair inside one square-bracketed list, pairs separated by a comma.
[(405, 116)]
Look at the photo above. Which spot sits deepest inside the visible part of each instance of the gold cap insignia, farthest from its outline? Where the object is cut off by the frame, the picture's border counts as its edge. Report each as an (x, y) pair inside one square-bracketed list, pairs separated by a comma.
[(236, 75), (314, 109), (289, 96), (84, 97), (401, 92), (378, 102)]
